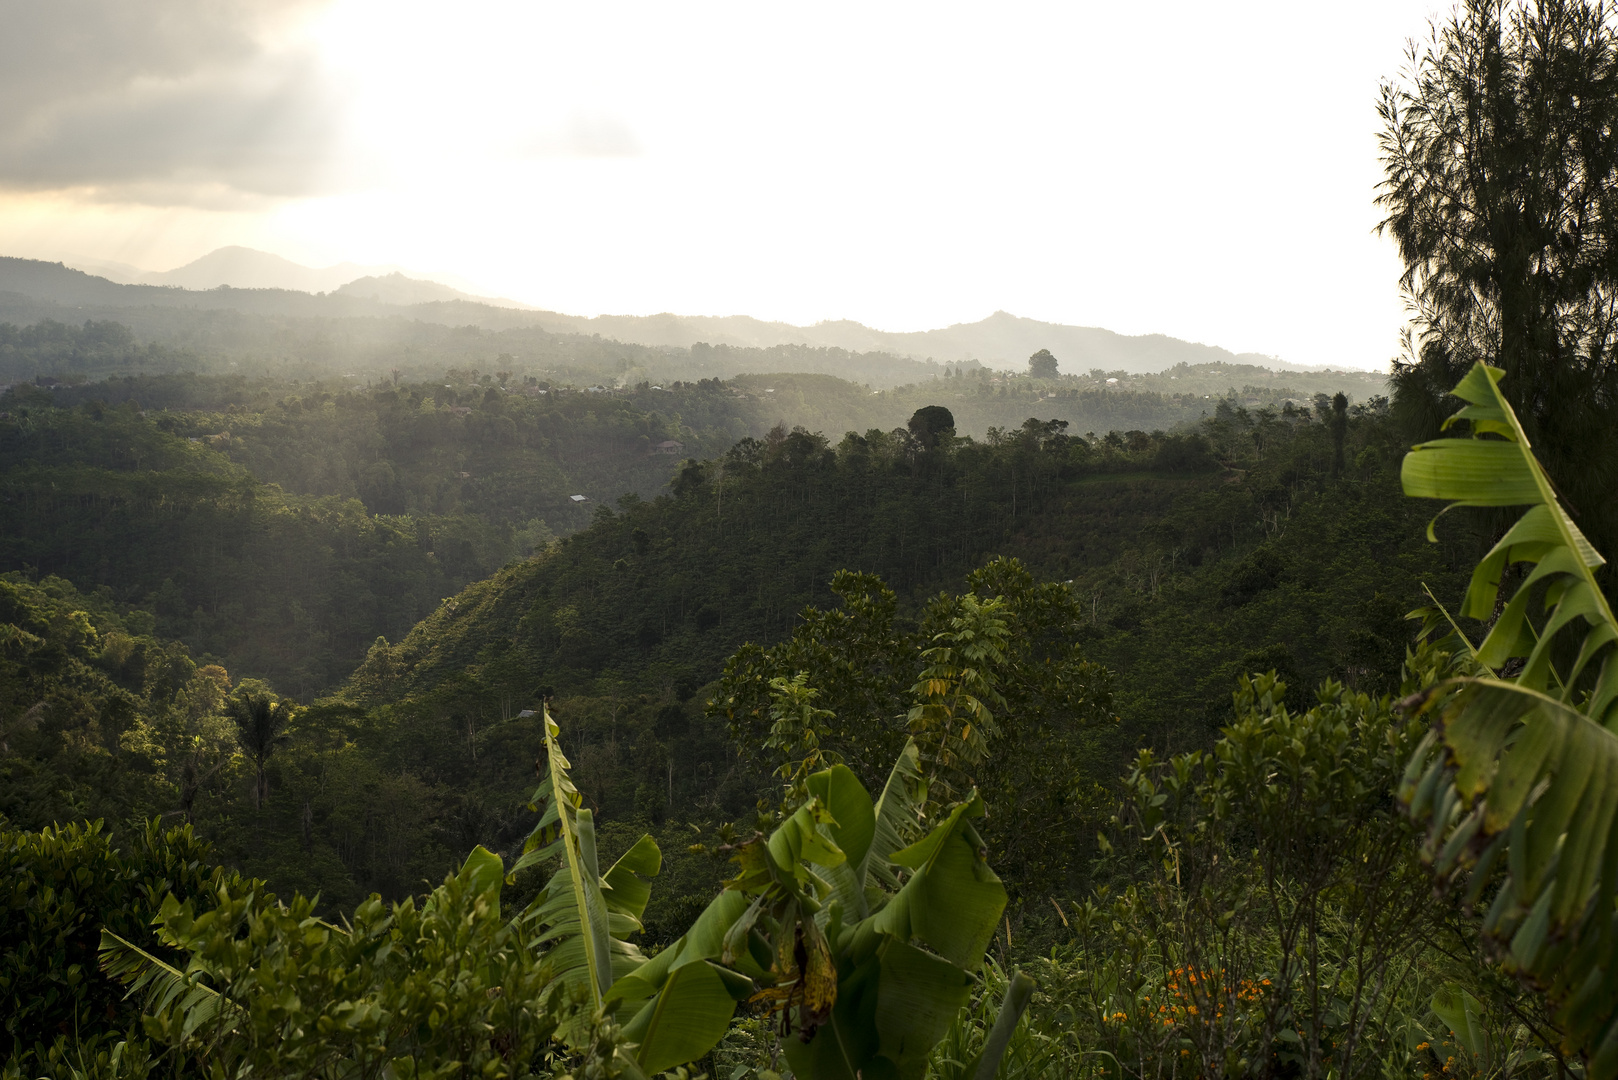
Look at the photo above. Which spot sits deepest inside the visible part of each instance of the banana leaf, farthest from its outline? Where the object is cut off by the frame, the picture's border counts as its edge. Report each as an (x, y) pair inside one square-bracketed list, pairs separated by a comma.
[(872, 993), (680, 1002), (582, 932), (679, 1005), (952, 900), (898, 819), (1496, 467), (1522, 774), (162, 986)]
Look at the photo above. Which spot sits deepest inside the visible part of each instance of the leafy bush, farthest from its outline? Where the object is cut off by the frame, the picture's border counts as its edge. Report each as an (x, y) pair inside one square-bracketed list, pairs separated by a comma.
[(59, 889)]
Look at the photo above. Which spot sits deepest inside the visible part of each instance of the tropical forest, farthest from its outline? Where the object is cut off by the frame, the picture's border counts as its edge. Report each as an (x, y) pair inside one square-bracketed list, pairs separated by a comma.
[(399, 686)]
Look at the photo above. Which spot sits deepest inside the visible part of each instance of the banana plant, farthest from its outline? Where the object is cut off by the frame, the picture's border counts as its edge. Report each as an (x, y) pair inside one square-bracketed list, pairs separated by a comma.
[(582, 921), (845, 919), (1520, 772), (849, 921), (869, 979)]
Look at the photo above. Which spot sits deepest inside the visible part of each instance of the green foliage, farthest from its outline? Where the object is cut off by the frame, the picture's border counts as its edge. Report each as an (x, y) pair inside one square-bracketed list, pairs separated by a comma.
[(952, 722), (95, 346), (260, 725), (586, 917), (438, 988), (425, 753), (796, 726), (287, 538), (1266, 913), (1281, 899), (271, 989), (1180, 579), (1526, 770), (929, 424), (868, 994), (1500, 156), (988, 1039), (992, 673), (100, 718), (60, 889)]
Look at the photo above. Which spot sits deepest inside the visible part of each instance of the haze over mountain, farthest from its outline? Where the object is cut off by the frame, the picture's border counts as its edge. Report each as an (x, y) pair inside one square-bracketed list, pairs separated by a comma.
[(248, 268), (237, 267), (396, 288), (245, 280)]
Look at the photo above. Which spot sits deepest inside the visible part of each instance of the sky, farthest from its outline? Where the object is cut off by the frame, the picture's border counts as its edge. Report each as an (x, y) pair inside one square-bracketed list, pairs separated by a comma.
[(1201, 170)]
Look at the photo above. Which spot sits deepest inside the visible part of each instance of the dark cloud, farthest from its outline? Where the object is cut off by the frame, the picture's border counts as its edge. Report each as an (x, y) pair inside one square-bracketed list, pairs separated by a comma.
[(165, 101)]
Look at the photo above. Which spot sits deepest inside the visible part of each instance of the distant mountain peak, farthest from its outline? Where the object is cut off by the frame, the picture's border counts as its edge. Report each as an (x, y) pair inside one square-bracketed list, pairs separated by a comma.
[(239, 267), (398, 288)]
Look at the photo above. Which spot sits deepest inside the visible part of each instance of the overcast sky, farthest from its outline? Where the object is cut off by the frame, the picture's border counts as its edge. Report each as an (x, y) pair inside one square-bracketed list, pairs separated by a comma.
[(1201, 170)]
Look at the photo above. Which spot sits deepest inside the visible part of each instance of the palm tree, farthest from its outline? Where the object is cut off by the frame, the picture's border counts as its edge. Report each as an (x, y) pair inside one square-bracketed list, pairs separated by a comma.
[(260, 722)]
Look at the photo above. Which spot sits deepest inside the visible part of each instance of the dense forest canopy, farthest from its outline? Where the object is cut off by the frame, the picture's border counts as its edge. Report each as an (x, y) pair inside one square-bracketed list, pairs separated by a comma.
[(424, 537)]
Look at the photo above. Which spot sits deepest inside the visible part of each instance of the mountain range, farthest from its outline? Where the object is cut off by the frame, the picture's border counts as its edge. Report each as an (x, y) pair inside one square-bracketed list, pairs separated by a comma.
[(242, 279), (247, 268)]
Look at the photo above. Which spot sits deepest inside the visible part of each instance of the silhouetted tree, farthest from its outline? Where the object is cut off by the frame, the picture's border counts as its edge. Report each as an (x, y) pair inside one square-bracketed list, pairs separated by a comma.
[(929, 422), (260, 722), (1339, 431), (1042, 365), (1500, 156)]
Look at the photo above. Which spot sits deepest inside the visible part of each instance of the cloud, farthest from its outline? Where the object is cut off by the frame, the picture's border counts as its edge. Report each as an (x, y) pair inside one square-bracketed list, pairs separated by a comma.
[(166, 102)]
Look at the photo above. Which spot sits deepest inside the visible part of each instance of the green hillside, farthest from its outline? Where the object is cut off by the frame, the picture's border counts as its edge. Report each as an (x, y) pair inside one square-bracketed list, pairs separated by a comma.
[(282, 529)]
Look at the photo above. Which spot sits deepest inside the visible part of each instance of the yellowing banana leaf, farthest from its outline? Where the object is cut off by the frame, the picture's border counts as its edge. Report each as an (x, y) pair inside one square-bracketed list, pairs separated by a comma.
[(894, 999), (890, 1013), (849, 1045)]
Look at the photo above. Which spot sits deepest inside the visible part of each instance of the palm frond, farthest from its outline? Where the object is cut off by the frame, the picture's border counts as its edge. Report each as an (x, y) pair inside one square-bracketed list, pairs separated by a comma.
[(161, 986)]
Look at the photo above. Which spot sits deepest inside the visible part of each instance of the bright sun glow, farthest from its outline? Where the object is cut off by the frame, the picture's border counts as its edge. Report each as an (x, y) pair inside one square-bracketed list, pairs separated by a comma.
[(1199, 170)]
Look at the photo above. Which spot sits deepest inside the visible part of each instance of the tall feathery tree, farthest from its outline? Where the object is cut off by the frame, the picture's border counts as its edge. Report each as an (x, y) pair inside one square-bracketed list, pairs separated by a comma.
[(261, 723), (1499, 145)]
